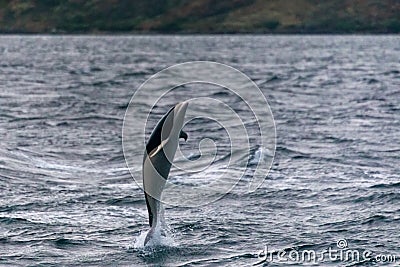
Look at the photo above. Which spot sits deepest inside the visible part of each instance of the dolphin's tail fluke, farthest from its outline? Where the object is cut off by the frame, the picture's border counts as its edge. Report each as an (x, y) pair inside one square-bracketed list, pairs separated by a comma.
[(150, 235), (158, 227)]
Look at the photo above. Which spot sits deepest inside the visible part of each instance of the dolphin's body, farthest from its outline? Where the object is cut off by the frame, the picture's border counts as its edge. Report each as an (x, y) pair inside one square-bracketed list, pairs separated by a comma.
[(160, 152)]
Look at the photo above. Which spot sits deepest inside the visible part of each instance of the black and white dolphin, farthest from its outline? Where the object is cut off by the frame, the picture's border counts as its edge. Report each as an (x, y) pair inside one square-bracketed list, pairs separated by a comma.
[(159, 154)]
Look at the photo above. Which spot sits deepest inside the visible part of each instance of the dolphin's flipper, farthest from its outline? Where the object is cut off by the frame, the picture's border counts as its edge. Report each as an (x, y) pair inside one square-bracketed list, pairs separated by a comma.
[(183, 135)]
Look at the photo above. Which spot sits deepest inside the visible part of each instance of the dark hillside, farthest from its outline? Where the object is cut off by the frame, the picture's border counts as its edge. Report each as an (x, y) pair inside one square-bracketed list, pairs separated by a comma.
[(200, 16)]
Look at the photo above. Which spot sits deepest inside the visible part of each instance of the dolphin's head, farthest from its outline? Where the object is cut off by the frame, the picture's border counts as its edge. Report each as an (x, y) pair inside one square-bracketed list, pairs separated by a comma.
[(170, 126)]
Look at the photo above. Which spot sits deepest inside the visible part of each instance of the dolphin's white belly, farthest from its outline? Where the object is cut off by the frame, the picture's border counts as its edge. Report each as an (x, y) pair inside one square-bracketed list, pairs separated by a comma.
[(154, 182)]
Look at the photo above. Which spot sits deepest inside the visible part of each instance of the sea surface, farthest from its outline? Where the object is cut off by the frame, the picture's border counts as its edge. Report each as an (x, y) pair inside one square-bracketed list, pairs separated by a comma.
[(67, 197)]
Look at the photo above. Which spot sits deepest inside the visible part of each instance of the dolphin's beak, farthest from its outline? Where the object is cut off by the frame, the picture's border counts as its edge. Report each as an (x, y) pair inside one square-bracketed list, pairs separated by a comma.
[(183, 135), (181, 109)]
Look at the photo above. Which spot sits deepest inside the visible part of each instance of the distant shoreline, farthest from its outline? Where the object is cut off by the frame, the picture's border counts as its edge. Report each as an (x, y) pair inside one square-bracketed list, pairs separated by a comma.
[(200, 17)]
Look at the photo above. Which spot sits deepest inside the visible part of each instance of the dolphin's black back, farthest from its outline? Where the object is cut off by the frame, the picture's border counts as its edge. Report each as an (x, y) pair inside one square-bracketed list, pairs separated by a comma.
[(155, 137), (153, 142)]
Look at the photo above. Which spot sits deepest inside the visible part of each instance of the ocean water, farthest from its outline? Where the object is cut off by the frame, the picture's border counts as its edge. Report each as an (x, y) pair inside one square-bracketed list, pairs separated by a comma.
[(67, 197)]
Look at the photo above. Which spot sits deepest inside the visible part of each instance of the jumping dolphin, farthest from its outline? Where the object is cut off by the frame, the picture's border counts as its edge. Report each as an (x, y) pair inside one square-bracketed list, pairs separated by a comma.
[(159, 154)]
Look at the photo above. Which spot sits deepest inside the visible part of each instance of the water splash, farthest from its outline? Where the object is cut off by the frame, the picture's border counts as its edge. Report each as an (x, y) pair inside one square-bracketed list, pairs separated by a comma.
[(161, 237), (261, 155)]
